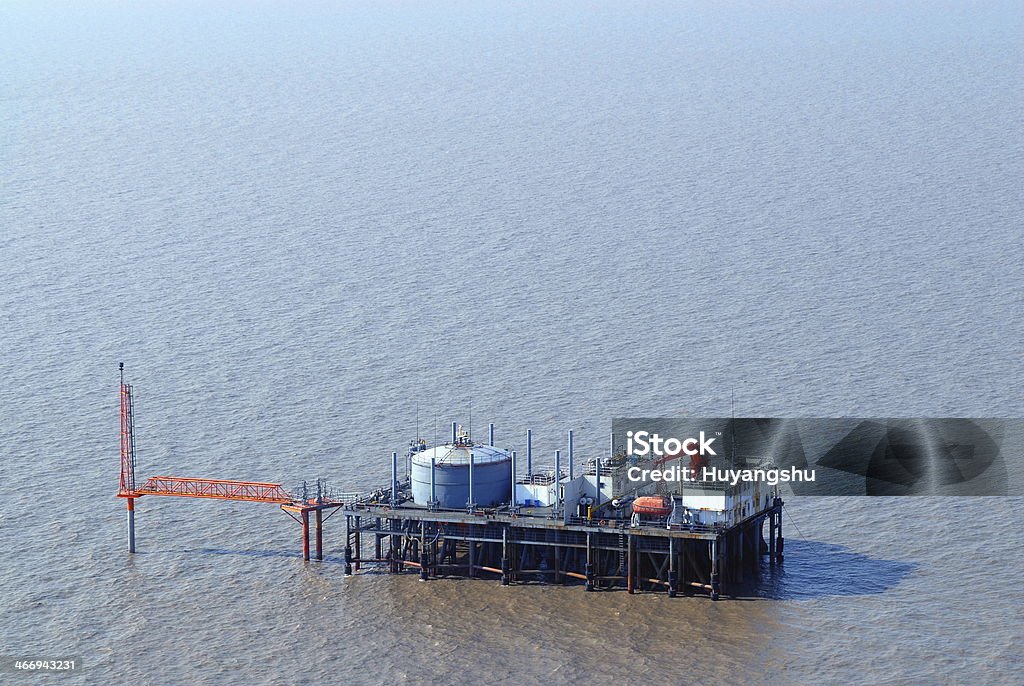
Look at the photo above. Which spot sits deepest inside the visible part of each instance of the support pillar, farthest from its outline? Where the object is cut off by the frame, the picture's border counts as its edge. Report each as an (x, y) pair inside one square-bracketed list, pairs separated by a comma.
[(780, 542), (589, 569), (359, 552), (673, 581), (423, 551), (305, 535), (348, 545), (687, 564), (630, 565), (504, 557), (715, 587), (557, 567), (319, 535), (433, 554), (131, 525), (512, 557), (392, 546), (378, 542)]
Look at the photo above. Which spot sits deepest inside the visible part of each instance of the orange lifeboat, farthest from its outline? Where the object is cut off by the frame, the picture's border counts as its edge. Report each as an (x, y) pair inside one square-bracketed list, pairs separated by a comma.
[(652, 506)]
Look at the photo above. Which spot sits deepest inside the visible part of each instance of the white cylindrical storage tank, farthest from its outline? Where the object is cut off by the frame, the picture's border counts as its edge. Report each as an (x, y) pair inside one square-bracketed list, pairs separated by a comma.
[(492, 476)]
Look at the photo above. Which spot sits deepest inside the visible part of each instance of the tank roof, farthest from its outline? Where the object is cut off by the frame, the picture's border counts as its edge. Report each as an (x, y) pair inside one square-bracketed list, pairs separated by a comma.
[(449, 454)]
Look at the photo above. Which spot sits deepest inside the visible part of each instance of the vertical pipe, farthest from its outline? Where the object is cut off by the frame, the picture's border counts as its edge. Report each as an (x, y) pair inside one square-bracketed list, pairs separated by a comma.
[(394, 479), (472, 459), (611, 445), (570, 456), (305, 535), (454, 432), (514, 503), (131, 525), (433, 491), (319, 535), (529, 453), (490, 434), (558, 478)]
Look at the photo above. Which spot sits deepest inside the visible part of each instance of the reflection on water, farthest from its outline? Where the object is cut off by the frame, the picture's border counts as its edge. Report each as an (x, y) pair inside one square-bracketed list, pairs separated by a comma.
[(813, 569)]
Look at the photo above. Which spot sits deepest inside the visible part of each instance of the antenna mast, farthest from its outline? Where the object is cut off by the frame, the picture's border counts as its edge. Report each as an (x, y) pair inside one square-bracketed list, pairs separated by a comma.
[(127, 484)]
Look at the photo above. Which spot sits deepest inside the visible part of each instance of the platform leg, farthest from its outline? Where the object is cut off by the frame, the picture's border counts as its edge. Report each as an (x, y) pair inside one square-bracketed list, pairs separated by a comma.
[(378, 542), (715, 587), (630, 564), (672, 576), (589, 569), (319, 535), (557, 566), (504, 557), (305, 535), (780, 542), (423, 551), (359, 552), (131, 525), (392, 552), (348, 545)]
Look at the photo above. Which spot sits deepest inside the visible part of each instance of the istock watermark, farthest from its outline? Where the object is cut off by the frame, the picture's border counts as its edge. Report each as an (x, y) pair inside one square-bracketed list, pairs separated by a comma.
[(643, 442), (828, 456), (772, 477)]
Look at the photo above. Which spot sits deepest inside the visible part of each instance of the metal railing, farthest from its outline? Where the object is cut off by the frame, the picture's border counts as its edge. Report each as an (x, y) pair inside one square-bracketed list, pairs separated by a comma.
[(647, 524), (606, 470), (545, 476)]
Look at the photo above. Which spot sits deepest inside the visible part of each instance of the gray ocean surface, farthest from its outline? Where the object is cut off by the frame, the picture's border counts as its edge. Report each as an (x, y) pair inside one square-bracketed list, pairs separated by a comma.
[(298, 222)]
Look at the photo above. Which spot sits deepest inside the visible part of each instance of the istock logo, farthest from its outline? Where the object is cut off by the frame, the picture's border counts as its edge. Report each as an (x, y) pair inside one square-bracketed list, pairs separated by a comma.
[(643, 442)]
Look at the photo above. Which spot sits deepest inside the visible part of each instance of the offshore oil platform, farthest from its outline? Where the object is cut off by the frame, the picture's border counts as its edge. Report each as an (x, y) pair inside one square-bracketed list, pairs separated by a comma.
[(462, 508)]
